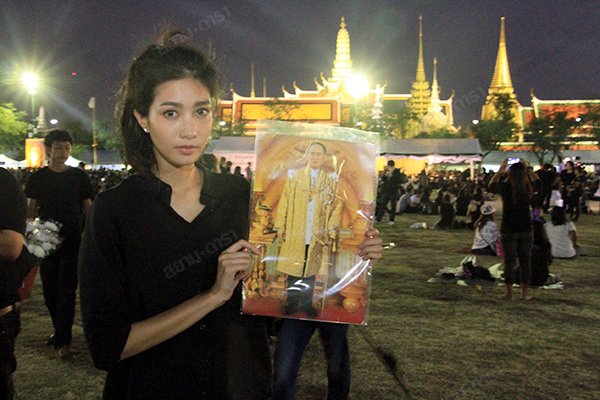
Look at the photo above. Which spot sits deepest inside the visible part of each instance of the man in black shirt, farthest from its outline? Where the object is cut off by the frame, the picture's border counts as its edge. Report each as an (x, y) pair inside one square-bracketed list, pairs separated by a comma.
[(12, 228), (388, 191), (61, 193)]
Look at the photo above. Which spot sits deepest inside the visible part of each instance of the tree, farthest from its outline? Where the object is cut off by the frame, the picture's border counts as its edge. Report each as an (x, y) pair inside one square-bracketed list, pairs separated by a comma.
[(12, 131), (82, 138), (549, 135), (492, 132), (391, 125), (442, 133), (282, 110), (108, 138), (591, 119)]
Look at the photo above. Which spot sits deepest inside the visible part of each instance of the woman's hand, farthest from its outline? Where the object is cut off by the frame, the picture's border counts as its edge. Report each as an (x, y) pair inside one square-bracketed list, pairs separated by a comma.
[(235, 265), (370, 248)]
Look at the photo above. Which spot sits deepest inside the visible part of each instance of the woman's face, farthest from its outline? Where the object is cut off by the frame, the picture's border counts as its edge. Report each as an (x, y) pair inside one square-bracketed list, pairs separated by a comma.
[(179, 122)]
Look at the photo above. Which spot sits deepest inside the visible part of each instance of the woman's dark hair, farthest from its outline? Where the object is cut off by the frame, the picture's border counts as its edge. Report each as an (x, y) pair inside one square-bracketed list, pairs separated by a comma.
[(209, 161), (558, 216), (518, 177), (540, 237), (166, 61), (482, 220)]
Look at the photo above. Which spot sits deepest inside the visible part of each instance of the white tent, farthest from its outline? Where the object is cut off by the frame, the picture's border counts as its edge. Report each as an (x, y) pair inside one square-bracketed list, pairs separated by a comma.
[(8, 162), (72, 162)]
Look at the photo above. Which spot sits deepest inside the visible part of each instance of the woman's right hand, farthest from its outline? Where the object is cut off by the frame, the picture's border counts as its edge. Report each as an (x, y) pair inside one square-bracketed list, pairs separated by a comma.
[(235, 264)]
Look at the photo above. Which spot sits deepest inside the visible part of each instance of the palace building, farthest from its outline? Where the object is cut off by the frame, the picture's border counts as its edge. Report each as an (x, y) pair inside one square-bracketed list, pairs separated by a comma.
[(502, 85), (335, 99)]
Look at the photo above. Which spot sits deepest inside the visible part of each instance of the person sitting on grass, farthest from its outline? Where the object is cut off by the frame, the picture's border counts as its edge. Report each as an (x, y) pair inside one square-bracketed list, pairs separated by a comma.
[(562, 234), (486, 233), (474, 209), (541, 256), (447, 213)]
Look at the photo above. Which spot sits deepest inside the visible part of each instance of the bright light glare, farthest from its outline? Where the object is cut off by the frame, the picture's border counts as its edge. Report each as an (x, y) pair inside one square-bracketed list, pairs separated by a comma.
[(222, 123), (578, 119), (475, 121), (357, 85), (53, 121), (30, 81)]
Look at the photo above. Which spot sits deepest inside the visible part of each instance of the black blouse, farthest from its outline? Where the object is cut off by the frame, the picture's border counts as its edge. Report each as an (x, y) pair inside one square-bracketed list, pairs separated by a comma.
[(140, 258)]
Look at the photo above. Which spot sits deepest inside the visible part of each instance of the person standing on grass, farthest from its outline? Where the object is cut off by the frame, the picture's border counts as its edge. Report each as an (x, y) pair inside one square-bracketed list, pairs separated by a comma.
[(61, 193), (295, 334), (517, 186), (248, 172), (164, 253), (388, 192)]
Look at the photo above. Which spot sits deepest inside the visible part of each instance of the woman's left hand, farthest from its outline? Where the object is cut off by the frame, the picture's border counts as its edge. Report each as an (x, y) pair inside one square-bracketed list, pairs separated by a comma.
[(370, 248)]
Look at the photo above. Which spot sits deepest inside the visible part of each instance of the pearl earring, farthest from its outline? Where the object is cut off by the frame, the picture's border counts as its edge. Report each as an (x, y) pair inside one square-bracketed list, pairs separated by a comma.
[(145, 130)]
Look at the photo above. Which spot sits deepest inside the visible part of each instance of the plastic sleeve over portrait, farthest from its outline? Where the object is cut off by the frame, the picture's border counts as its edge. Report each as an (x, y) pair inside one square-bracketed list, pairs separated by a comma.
[(312, 202)]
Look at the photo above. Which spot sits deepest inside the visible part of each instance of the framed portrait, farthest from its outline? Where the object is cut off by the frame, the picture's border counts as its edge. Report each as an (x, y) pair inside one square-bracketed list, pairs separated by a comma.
[(313, 198)]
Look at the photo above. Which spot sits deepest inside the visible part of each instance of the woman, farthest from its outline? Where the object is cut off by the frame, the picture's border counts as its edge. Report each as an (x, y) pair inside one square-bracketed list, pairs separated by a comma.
[(562, 234), (486, 232), (164, 253), (516, 186), (446, 213), (541, 255), (475, 207)]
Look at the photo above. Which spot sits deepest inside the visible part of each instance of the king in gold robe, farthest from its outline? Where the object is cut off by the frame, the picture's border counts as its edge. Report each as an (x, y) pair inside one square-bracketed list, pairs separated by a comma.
[(309, 215)]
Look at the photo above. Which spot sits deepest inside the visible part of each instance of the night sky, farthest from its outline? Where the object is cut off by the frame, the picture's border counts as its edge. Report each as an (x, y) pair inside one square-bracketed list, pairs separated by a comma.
[(553, 46)]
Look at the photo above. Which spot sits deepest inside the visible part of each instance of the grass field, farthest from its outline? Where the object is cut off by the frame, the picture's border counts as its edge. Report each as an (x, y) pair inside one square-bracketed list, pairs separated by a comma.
[(447, 341)]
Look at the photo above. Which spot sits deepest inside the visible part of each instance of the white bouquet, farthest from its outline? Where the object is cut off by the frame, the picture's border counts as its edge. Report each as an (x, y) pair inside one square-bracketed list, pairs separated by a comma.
[(41, 237)]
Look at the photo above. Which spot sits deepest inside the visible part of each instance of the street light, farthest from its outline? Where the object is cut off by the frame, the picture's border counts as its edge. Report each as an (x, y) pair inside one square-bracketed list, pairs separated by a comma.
[(358, 86), (92, 105), (31, 83)]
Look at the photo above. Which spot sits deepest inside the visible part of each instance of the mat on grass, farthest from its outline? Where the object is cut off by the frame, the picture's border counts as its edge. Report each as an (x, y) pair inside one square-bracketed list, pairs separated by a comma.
[(460, 276)]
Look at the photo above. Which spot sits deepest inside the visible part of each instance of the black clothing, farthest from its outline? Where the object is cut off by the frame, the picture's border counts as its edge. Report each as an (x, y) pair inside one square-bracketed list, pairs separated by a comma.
[(12, 217), (447, 216), (462, 203), (140, 258), (388, 193), (59, 196), (10, 326), (541, 258), (515, 217), (567, 177), (58, 272), (390, 183), (547, 179)]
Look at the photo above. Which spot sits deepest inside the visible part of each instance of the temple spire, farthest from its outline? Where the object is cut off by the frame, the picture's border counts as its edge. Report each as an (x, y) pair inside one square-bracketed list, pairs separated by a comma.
[(501, 81), (252, 92), (342, 64), (435, 91), (420, 98), (420, 64)]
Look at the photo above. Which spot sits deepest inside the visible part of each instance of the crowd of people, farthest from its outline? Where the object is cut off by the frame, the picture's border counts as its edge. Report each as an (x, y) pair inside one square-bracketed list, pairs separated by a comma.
[(458, 199), (157, 334), (535, 207), (179, 336)]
